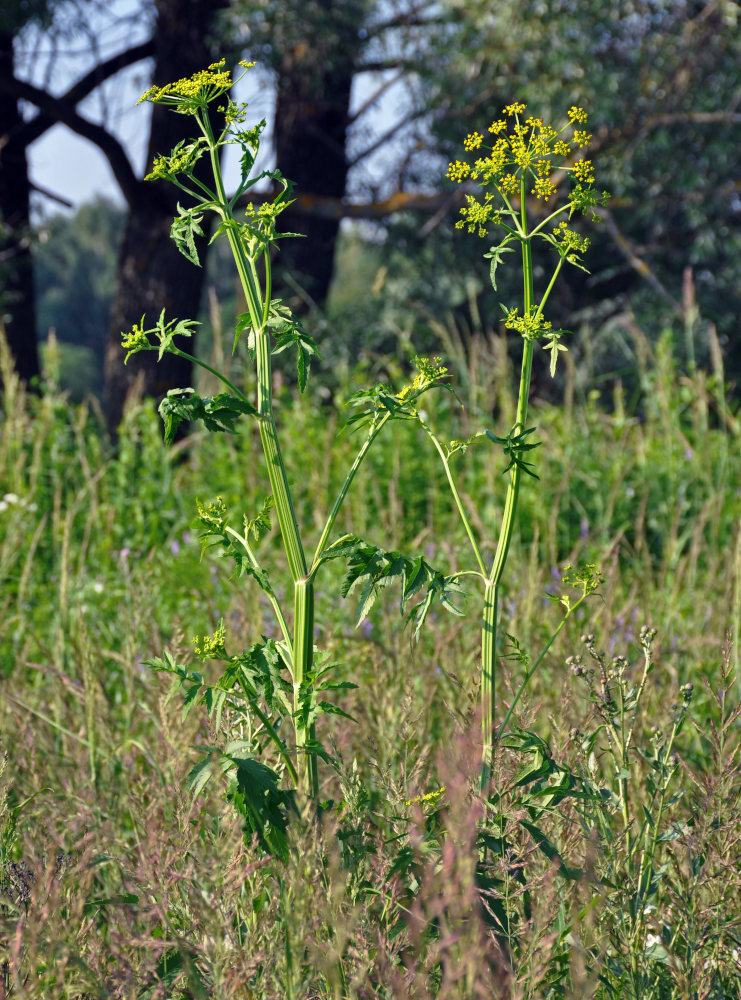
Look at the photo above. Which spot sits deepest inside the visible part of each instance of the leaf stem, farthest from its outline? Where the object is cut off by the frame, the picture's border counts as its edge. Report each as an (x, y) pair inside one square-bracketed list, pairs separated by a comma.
[(458, 502), (375, 430), (271, 596), (202, 364)]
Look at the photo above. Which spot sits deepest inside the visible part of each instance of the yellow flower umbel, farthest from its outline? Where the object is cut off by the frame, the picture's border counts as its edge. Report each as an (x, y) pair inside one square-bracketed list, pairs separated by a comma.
[(211, 646), (192, 93), (524, 158)]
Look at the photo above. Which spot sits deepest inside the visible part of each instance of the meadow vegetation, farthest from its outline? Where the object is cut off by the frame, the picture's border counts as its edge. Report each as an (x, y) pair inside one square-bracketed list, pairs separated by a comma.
[(313, 818), (159, 895)]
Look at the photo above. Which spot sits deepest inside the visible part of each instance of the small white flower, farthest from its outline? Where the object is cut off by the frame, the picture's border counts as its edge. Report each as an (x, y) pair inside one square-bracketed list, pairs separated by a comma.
[(98, 587), (652, 939), (3, 506), (10, 498)]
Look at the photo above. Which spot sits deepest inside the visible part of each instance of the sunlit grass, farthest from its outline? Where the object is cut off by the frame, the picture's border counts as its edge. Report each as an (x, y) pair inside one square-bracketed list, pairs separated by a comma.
[(134, 890)]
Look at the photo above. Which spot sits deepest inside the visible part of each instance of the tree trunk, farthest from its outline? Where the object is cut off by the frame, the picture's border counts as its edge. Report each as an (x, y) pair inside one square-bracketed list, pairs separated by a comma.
[(152, 273), (17, 302), (315, 75)]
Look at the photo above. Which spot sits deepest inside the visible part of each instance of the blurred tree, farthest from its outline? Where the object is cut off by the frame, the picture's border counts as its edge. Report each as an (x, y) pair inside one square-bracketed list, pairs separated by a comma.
[(321, 53), (17, 300), (75, 262), (660, 80), (151, 272)]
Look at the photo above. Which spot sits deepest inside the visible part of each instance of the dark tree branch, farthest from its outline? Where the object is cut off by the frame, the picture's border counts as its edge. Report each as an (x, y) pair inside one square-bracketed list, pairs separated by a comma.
[(51, 195), (386, 85), (87, 84), (405, 19), (385, 137), (384, 65), (65, 113), (400, 201)]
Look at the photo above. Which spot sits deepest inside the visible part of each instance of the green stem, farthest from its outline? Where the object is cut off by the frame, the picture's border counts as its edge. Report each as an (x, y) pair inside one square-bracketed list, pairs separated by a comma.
[(282, 497), (202, 364), (549, 289), (488, 681), (271, 596), (303, 657), (549, 218), (491, 598), (345, 487), (268, 432), (458, 502), (529, 673), (249, 285), (303, 626)]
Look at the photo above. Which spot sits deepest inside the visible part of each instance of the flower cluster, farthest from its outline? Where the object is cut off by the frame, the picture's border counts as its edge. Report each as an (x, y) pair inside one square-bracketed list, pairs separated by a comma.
[(429, 371), (570, 243), (211, 646), (524, 152), (192, 93), (181, 161), (530, 326), (137, 339)]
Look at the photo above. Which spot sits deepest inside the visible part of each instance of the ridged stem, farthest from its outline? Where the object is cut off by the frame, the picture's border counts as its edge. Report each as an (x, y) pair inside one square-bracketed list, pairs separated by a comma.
[(491, 597), (488, 680), (274, 460), (258, 305), (303, 659)]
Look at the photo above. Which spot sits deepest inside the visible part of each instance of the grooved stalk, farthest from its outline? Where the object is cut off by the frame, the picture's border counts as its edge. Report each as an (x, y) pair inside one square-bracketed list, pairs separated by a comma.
[(303, 658), (491, 608), (488, 679), (274, 460)]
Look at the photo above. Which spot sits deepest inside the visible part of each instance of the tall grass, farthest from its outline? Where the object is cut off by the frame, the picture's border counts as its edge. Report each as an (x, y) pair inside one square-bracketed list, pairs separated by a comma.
[(116, 883)]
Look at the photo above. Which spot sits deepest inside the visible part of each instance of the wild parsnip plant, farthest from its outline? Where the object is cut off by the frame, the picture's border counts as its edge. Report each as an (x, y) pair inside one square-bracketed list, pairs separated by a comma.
[(521, 165), (524, 151), (256, 677)]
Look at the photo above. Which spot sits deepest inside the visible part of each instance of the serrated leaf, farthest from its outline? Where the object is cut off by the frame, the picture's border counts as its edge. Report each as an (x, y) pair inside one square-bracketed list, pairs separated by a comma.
[(243, 322), (495, 255), (260, 525), (219, 413), (370, 569), (514, 445), (185, 227), (288, 332), (263, 805), (200, 775)]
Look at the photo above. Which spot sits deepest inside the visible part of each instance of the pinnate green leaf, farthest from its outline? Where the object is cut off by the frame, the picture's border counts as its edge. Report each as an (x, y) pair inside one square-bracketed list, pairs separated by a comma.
[(495, 255), (185, 227), (264, 806), (219, 413), (370, 569)]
